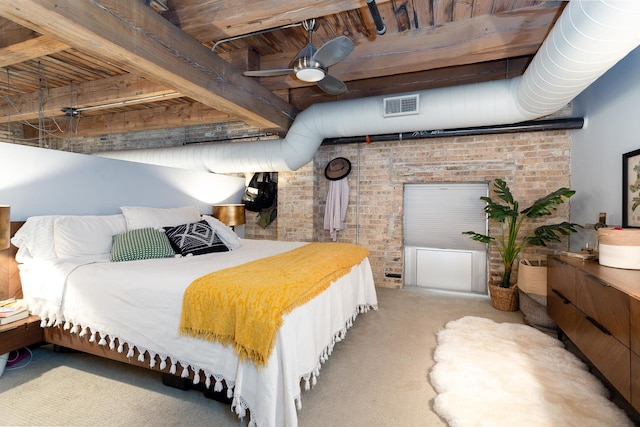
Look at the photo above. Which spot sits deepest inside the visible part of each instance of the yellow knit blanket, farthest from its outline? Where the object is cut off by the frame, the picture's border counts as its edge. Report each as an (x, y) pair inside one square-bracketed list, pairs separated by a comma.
[(244, 305)]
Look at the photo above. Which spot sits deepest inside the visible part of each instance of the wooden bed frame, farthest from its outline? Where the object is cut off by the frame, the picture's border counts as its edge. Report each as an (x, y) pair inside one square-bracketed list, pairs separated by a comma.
[(63, 341), (10, 287)]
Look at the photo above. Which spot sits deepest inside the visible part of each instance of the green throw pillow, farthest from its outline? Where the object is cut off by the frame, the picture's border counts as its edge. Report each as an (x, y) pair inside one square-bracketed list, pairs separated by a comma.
[(143, 243)]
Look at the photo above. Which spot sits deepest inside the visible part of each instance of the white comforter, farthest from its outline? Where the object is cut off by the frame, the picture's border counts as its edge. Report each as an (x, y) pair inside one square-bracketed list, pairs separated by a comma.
[(139, 303)]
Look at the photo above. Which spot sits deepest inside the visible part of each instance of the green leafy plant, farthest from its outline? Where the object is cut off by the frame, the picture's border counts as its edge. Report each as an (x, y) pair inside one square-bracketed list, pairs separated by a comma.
[(510, 243)]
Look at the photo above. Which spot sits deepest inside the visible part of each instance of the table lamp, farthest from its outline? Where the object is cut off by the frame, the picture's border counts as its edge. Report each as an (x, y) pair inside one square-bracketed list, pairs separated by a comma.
[(5, 227), (230, 214)]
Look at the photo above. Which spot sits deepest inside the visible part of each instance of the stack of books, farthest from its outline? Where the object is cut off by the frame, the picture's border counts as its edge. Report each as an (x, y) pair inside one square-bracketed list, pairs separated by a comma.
[(12, 310)]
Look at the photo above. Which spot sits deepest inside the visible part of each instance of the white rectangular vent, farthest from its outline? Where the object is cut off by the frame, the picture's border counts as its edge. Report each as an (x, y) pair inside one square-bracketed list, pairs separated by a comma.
[(401, 105)]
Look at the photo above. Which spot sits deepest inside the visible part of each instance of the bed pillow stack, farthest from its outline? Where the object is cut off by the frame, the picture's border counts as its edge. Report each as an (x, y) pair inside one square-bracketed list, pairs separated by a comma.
[(186, 231), (145, 237), (136, 233)]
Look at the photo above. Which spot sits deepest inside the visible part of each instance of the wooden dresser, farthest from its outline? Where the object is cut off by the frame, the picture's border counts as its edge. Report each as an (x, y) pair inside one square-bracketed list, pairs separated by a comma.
[(598, 309)]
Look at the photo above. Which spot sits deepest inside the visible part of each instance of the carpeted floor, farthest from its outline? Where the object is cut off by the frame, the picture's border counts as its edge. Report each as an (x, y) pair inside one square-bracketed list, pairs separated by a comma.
[(377, 376)]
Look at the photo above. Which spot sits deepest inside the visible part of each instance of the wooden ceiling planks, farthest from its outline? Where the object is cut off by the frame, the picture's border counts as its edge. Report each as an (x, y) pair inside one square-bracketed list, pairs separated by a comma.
[(428, 43)]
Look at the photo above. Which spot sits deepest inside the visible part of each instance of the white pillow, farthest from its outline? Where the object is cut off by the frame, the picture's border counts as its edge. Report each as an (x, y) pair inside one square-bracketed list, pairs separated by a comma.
[(81, 235), (35, 239), (226, 234), (142, 217)]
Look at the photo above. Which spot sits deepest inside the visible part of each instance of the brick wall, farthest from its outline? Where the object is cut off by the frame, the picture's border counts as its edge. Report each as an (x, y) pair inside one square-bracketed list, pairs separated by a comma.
[(161, 137), (533, 164)]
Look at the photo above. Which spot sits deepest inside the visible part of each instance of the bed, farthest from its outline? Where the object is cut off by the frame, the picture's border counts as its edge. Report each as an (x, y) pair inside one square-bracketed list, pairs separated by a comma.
[(133, 310)]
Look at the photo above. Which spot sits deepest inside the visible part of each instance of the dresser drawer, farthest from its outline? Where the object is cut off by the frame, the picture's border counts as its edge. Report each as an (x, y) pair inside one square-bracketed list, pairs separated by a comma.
[(635, 381), (634, 320), (606, 353), (563, 312), (561, 277), (606, 305)]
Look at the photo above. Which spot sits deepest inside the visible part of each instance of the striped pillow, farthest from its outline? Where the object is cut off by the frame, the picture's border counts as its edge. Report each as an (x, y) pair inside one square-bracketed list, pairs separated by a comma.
[(143, 243)]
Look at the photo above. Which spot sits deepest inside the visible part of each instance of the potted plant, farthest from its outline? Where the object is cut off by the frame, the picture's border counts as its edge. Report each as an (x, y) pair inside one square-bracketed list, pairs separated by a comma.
[(511, 242)]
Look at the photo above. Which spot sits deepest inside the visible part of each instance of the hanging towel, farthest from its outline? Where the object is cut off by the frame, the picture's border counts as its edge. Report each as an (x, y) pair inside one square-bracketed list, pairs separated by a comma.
[(336, 209)]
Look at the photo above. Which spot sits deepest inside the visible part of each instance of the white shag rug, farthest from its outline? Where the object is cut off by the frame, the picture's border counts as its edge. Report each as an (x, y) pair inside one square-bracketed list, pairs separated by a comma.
[(507, 374)]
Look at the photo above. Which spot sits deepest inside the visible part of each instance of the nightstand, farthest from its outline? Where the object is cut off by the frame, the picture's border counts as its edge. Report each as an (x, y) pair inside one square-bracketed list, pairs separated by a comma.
[(22, 333)]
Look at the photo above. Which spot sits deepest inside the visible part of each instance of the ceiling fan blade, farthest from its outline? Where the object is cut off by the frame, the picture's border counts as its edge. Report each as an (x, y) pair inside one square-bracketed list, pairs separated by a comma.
[(268, 73), (332, 85), (334, 51)]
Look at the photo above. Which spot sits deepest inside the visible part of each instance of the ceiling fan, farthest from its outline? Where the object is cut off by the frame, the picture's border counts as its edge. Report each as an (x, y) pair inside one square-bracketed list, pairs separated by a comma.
[(311, 64)]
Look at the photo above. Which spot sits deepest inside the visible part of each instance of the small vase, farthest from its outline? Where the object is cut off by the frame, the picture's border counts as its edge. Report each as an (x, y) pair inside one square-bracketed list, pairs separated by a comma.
[(505, 299)]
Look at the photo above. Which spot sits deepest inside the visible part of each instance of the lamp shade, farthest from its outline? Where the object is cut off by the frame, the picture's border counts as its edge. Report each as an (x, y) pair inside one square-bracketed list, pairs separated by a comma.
[(5, 227), (230, 215)]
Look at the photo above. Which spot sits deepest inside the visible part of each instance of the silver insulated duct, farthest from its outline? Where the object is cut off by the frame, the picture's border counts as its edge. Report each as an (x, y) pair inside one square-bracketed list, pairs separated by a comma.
[(587, 40)]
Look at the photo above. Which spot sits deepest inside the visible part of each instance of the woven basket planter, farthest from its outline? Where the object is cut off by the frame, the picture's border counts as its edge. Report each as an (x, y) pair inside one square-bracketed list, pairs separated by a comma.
[(532, 289), (532, 276), (505, 299)]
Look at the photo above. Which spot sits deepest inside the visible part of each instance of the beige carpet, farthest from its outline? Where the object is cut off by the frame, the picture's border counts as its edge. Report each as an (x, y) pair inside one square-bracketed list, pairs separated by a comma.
[(377, 376)]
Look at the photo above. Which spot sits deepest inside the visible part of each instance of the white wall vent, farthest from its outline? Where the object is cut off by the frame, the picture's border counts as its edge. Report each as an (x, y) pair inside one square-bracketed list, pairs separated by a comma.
[(401, 105)]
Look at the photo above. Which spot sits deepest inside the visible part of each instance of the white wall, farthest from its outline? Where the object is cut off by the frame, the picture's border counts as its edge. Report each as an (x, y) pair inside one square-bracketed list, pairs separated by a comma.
[(37, 181), (611, 107)]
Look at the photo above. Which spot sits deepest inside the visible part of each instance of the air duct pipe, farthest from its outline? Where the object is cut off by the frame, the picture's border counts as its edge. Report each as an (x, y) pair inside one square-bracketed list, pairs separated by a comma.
[(587, 40)]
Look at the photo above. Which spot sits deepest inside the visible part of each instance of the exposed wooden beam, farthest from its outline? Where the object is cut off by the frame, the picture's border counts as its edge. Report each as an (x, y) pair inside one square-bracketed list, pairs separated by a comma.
[(138, 120), (12, 33), (29, 49), (98, 93), (134, 36), (194, 17), (481, 39)]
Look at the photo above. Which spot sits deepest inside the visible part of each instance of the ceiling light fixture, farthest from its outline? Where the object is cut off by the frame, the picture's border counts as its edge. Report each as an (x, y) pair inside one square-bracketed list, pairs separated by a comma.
[(311, 64), (308, 70), (311, 75)]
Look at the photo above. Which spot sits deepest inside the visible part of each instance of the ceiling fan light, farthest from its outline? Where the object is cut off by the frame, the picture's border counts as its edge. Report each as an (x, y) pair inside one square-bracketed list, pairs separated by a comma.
[(310, 74)]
